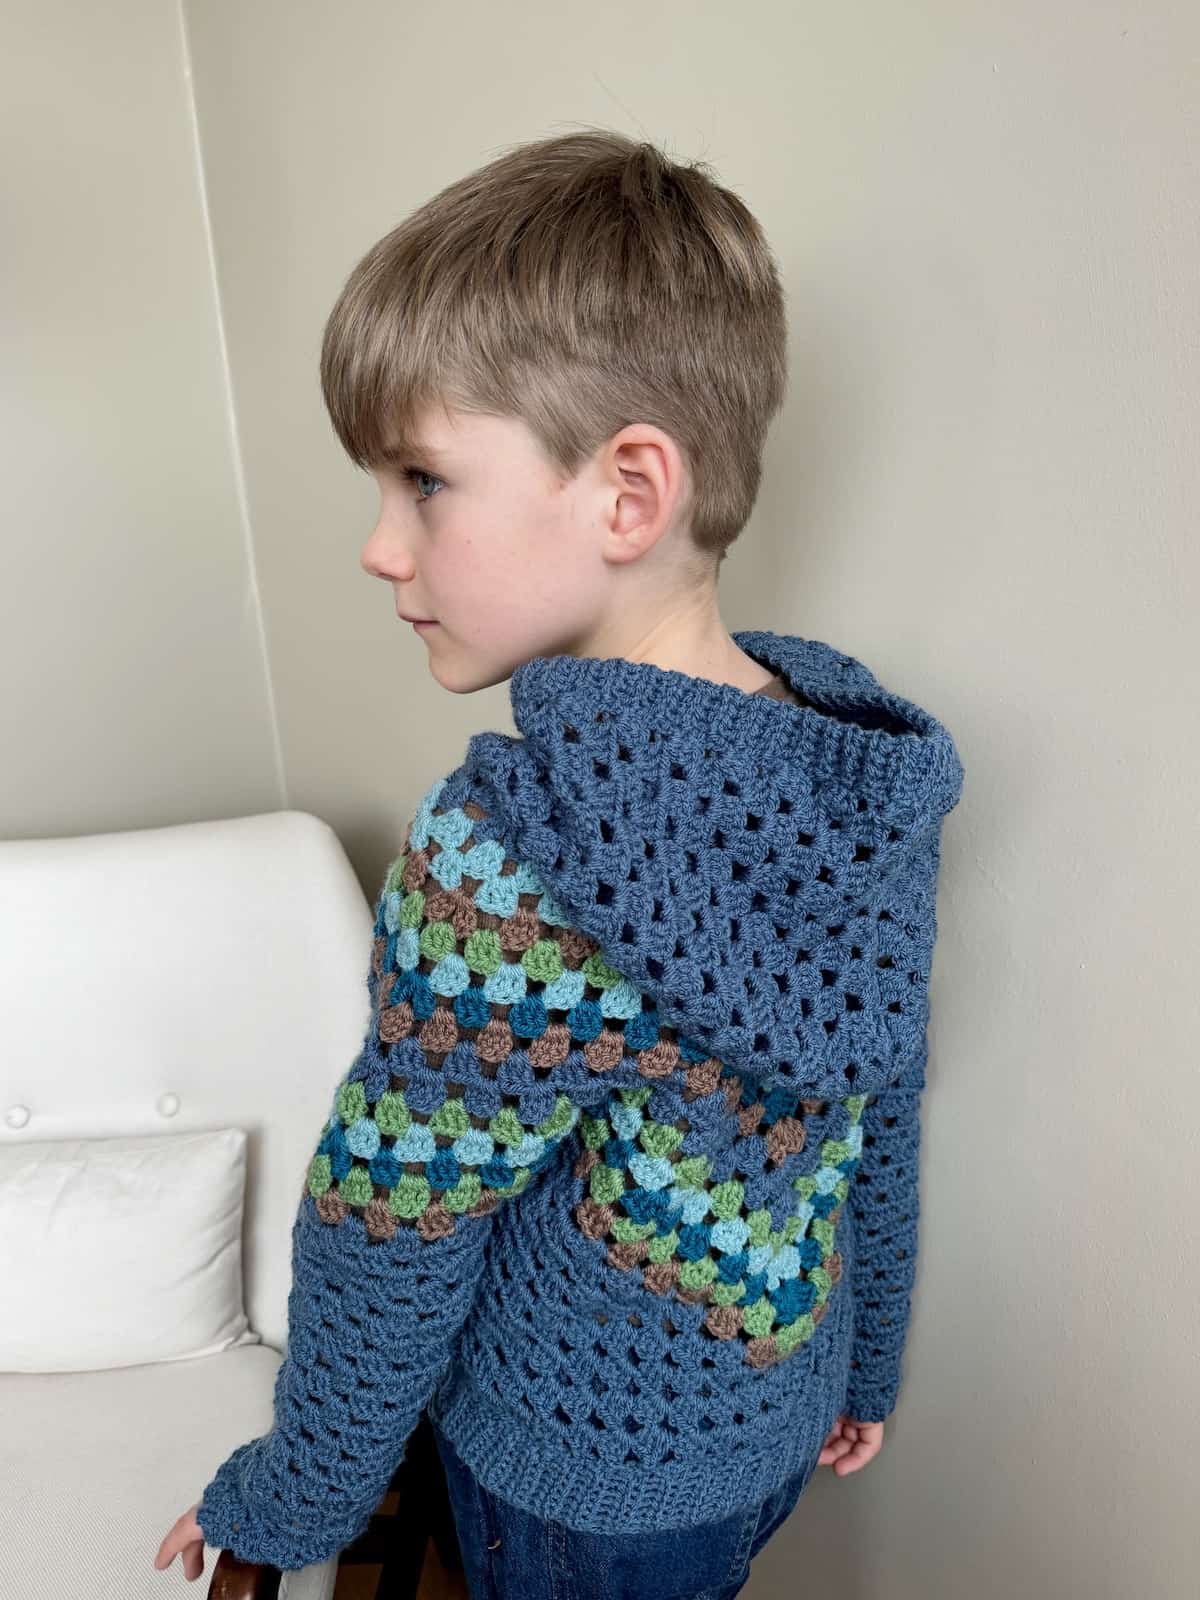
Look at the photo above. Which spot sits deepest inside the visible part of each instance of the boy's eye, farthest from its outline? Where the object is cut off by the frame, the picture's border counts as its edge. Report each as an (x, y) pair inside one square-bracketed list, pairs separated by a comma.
[(414, 475)]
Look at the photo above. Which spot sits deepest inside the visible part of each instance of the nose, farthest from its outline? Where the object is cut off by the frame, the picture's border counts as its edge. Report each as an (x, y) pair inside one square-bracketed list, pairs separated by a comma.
[(384, 556)]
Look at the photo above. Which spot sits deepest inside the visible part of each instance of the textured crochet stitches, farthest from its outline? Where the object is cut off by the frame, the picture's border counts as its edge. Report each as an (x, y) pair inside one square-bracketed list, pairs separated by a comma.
[(654, 972), (482, 991)]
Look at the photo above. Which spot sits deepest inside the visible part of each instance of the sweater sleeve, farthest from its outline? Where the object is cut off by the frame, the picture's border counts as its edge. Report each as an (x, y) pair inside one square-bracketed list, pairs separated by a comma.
[(446, 1112), (884, 1206), (884, 1198)]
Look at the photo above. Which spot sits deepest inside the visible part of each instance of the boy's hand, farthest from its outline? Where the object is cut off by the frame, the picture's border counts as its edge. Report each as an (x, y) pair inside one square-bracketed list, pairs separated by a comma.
[(187, 1536), (850, 1445)]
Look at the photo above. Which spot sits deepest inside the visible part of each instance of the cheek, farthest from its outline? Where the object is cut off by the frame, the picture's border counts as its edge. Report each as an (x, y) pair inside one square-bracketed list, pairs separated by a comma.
[(492, 575)]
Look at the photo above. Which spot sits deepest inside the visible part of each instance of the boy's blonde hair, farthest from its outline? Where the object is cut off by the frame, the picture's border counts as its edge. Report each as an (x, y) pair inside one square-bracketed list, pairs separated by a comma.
[(580, 283)]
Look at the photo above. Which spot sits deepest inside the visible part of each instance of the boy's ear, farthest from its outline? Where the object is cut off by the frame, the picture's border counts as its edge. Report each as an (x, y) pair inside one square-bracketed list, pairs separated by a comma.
[(643, 469)]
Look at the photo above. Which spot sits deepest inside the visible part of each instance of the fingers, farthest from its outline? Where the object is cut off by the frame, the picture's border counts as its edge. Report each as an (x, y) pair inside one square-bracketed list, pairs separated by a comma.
[(186, 1539), (829, 1451), (837, 1451), (852, 1460), (191, 1550), (851, 1445)]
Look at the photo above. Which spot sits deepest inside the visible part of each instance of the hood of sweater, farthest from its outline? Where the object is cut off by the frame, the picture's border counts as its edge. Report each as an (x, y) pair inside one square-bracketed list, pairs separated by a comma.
[(764, 872)]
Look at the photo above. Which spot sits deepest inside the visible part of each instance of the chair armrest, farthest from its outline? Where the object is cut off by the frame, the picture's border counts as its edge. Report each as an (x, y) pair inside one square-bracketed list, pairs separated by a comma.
[(234, 1579)]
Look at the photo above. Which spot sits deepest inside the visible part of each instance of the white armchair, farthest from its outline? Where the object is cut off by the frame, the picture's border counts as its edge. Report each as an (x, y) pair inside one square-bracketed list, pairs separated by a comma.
[(197, 977)]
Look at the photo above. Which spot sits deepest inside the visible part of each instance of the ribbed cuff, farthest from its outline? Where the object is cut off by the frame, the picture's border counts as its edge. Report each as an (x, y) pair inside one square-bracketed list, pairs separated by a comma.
[(871, 1397)]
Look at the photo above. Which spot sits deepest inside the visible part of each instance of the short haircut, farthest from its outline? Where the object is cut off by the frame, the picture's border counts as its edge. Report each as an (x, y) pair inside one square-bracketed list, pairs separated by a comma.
[(581, 283)]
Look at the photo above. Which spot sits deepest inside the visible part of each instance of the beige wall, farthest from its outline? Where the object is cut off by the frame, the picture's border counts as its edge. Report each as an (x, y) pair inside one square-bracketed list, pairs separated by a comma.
[(135, 689), (984, 483)]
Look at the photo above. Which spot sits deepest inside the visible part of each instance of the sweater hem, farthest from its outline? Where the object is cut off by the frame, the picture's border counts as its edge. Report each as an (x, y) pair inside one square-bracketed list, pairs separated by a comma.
[(511, 1460)]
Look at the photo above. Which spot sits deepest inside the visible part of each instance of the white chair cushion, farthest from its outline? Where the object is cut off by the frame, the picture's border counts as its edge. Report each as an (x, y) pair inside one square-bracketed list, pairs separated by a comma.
[(96, 1466), (245, 1013), (116, 1252)]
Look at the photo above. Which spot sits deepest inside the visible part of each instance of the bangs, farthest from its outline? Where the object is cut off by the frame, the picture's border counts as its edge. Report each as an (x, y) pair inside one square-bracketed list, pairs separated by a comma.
[(383, 365)]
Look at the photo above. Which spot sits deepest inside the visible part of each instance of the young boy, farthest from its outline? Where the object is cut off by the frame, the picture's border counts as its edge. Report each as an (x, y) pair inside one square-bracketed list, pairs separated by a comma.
[(622, 1187)]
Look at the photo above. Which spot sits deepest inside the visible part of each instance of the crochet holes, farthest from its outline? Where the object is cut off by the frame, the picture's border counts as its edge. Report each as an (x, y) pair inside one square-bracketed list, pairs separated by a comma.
[(882, 1218), (746, 1234), (456, 1102)]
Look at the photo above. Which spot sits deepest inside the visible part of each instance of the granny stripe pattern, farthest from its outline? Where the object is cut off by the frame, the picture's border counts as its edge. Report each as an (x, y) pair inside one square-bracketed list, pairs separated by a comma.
[(489, 1004), (622, 1184)]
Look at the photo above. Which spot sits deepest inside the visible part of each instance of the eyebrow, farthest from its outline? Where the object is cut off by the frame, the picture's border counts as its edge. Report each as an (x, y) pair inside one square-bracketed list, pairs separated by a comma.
[(403, 454)]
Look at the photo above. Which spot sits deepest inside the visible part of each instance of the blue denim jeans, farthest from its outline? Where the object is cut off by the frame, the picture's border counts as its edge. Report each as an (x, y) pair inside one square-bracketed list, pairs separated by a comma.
[(509, 1554)]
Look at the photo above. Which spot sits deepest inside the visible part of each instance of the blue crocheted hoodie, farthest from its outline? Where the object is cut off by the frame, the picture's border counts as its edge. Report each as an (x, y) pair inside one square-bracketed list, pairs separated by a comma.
[(622, 1185)]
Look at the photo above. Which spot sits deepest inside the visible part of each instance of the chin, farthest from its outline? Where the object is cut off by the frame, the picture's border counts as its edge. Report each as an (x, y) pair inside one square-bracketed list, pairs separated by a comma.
[(452, 681)]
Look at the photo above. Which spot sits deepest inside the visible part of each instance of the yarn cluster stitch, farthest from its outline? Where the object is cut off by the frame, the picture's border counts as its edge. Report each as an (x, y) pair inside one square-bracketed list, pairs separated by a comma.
[(486, 1003), (622, 1184), (661, 1210), (761, 870), (453, 1104)]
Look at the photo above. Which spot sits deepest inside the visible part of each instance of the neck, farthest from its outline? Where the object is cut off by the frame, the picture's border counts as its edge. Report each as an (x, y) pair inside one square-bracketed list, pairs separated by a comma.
[(688, 637)]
